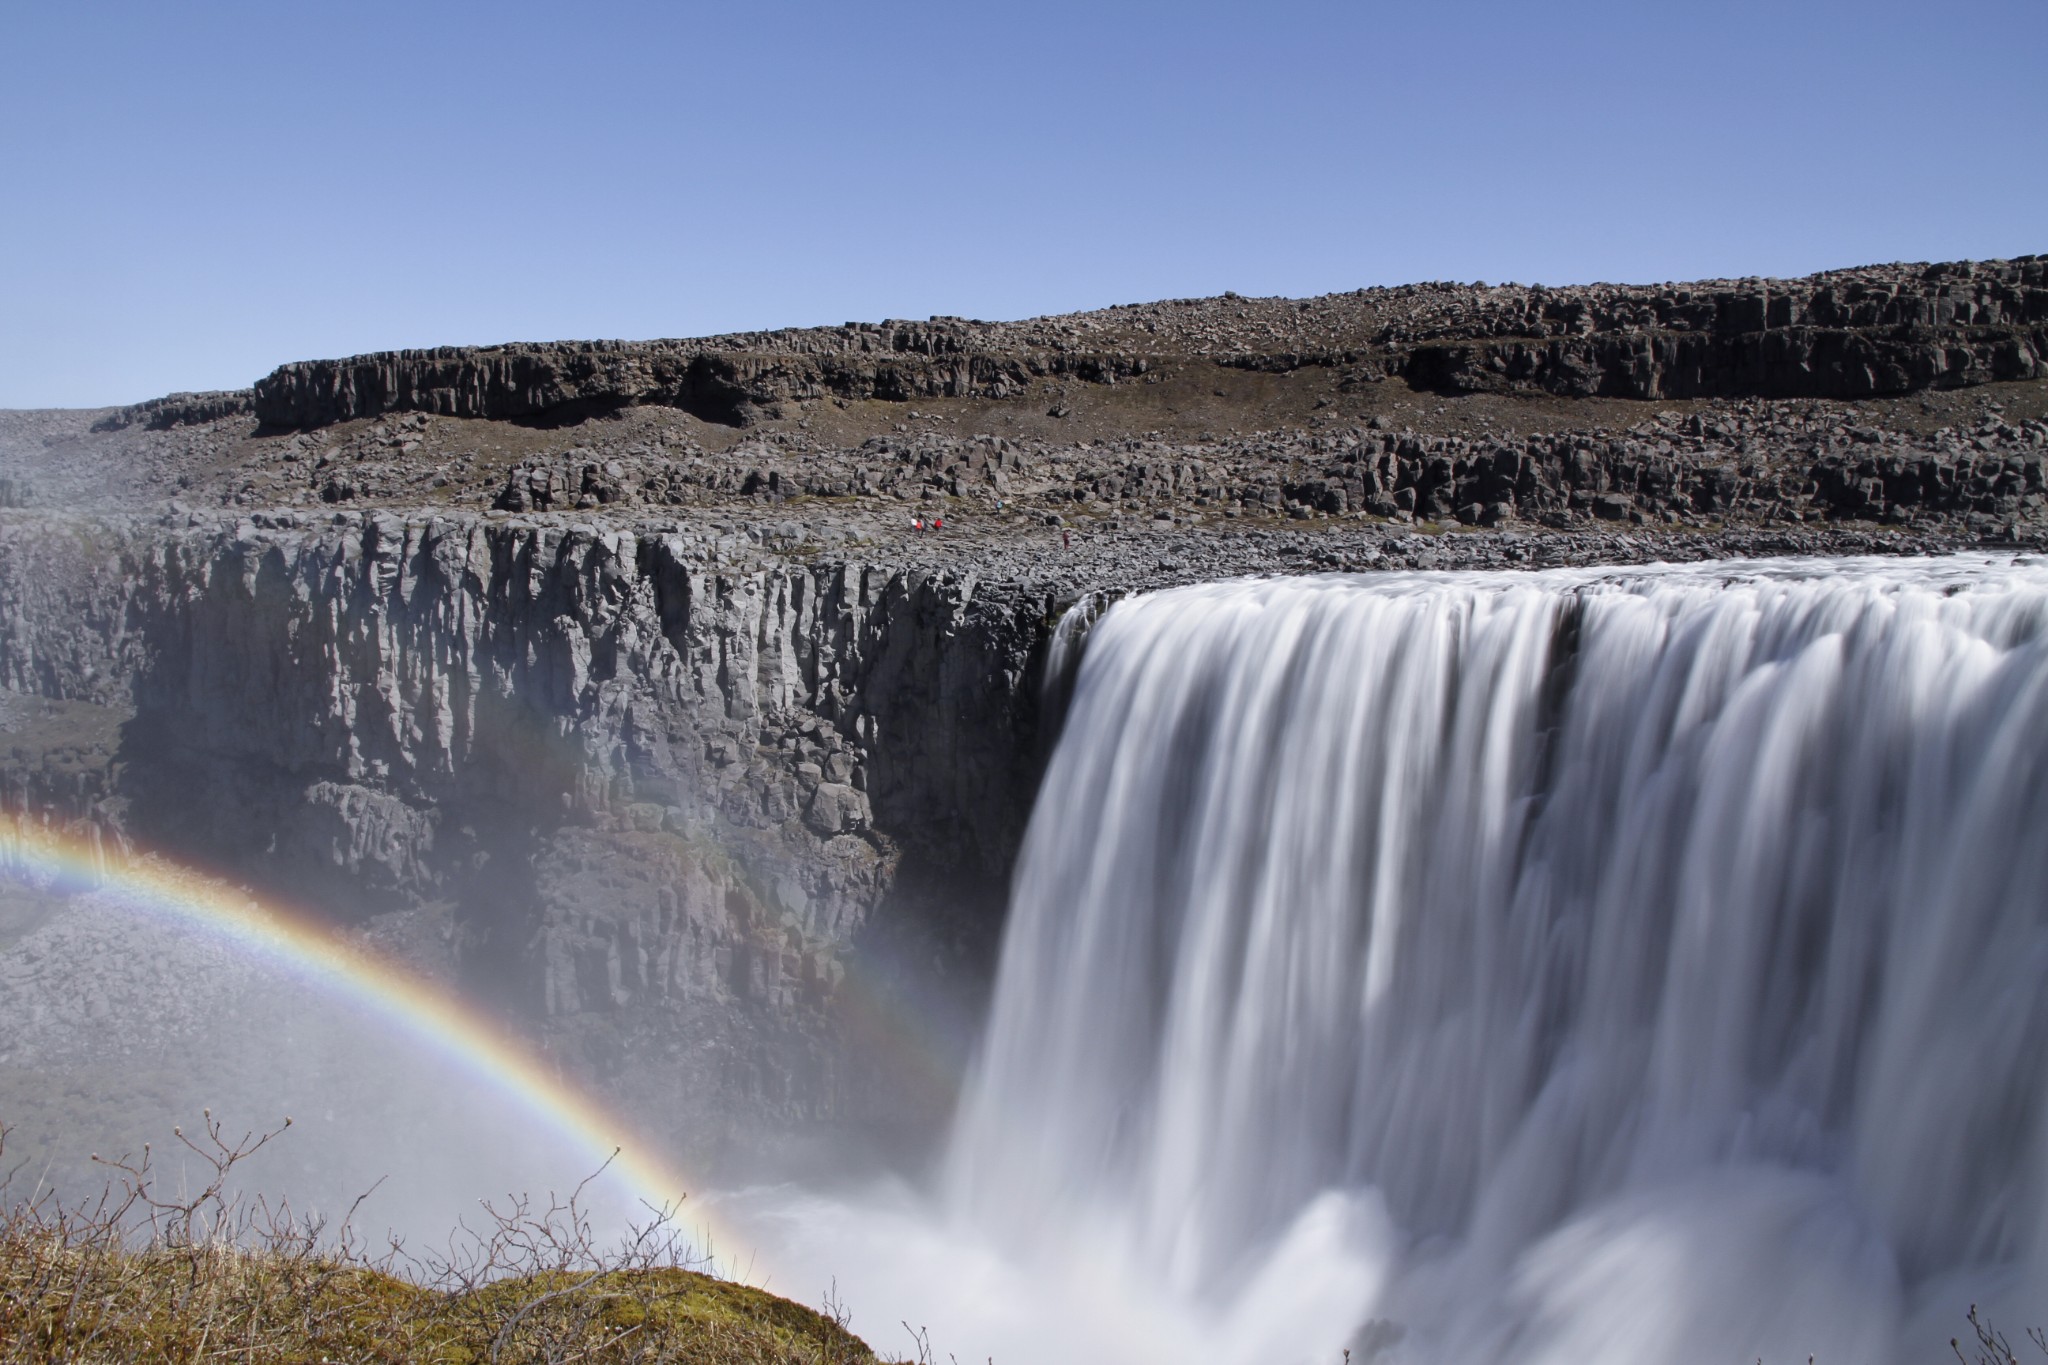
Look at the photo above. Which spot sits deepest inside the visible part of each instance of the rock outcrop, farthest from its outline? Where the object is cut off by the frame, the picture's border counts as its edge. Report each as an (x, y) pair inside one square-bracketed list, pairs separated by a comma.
[(1844, 334), (1697, 469), (1744, 463), (179, 410)]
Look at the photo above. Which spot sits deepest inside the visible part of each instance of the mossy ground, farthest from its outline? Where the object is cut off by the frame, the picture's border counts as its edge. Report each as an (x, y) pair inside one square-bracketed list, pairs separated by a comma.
[(101, 1303), (140, 1273)]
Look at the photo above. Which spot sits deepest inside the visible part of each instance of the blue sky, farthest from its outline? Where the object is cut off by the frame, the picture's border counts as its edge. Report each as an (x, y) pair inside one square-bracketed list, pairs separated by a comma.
[(195, 193)]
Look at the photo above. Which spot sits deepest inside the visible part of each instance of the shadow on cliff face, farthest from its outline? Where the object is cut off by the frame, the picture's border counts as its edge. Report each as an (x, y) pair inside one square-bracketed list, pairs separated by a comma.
[(345, 849), (681, 973), (905, 1024), (571, 414), (729, 844)]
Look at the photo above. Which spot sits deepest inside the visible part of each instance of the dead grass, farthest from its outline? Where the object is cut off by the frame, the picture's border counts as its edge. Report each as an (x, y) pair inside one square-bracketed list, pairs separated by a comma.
[(134, 1275)]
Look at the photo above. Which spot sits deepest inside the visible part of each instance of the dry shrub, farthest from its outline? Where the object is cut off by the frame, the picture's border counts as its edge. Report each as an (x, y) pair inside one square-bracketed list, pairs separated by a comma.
[(135, 1275), (1991, 1347)]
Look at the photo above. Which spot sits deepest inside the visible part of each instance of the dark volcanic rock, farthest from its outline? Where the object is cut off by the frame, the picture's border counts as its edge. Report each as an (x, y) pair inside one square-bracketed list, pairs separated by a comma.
[(180, 409), (1843, 334), (727, 380)]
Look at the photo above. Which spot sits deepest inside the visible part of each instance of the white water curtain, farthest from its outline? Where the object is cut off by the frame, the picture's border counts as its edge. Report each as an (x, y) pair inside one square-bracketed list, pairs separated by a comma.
[(1643, 961)]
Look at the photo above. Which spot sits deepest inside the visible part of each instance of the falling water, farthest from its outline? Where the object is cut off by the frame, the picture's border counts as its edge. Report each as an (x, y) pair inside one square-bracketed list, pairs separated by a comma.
[(1576, 966)]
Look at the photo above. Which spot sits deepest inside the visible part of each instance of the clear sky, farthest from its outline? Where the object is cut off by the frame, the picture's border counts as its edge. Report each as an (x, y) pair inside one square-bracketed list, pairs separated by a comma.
[(191, 194)]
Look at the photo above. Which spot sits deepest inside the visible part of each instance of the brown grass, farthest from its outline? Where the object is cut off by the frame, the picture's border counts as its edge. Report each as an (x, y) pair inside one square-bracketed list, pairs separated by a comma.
[(133, 1275)]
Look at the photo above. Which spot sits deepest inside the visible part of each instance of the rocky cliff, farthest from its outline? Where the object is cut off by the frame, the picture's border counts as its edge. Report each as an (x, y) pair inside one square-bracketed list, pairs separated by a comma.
[(683, 699), (1844, 334), (666, 800)]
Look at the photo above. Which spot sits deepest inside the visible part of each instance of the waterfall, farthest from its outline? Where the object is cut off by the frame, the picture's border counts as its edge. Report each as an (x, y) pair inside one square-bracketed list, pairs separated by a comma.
[(1579, 965)]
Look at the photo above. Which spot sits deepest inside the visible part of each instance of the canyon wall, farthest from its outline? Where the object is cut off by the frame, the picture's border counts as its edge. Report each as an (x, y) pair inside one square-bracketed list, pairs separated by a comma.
[(660, 801), (704, 756)]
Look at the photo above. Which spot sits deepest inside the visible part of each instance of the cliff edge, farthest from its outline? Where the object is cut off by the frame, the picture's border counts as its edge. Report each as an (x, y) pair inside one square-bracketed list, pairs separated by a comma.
[(686, 699)]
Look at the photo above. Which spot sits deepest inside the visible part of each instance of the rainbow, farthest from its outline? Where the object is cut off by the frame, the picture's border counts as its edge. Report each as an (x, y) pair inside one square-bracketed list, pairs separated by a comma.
[(314, 952)]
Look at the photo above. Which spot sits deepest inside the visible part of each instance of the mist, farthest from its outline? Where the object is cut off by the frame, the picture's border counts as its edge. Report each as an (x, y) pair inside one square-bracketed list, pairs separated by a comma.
[(125, 1028)]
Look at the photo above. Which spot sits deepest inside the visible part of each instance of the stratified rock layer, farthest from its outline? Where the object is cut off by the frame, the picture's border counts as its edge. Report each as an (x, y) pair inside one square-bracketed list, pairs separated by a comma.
[(1844, 334)]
